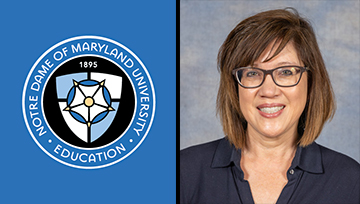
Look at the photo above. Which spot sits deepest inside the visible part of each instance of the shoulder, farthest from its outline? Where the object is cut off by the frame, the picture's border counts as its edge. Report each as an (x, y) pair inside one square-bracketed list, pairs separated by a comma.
[(335, 161), (343, 173), (198, 158), (196, 171), (342, 177), (200, 152), (328, 177)]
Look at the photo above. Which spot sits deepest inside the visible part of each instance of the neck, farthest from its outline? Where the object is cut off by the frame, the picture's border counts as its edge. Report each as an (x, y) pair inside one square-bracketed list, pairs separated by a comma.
[(277, 148)]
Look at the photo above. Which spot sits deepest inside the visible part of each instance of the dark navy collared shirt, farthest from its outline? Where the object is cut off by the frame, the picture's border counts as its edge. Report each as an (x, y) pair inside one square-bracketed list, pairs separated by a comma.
[(211, 173)]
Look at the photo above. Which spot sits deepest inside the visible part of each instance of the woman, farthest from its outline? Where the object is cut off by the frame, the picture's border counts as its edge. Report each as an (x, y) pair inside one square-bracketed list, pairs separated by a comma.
[(274, 98)]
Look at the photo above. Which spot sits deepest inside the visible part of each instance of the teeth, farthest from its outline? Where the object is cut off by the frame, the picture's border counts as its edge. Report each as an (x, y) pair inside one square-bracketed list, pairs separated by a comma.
[(271, 109)]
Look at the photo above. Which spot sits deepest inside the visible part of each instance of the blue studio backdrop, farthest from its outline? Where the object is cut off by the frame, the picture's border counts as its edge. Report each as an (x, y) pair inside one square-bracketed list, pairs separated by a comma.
[(33, 32)]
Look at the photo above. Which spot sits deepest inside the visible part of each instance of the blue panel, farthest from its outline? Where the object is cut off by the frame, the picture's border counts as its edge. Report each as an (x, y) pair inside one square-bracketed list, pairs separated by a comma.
[(106, 96), (65, 82), (71, 95), (89, 83), (30, 176), (99, 128), (78, 117), (100, 117)]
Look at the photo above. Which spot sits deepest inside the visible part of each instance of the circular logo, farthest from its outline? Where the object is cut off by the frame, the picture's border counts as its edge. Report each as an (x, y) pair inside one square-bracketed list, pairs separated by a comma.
[(88, 102)]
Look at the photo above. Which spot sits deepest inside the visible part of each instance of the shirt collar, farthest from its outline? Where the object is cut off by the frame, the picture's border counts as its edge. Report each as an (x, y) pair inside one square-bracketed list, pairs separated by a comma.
[(309, 159), (225, 154), (306, 158)]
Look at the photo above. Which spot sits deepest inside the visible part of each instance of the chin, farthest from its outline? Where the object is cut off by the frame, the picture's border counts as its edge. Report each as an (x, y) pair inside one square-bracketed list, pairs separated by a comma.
[(271, 133)]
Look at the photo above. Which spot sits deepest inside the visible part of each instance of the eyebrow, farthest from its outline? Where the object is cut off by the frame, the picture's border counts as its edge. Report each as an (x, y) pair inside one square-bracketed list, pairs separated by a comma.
[(286, 63), (280, 64)]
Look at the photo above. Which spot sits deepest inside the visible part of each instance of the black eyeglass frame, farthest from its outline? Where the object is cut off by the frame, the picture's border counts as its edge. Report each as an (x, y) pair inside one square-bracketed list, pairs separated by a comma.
[(266, 72)]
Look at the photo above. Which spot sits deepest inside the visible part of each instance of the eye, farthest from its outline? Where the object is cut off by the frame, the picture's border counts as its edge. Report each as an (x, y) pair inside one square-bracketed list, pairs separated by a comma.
[(252, 74), (287, 72)]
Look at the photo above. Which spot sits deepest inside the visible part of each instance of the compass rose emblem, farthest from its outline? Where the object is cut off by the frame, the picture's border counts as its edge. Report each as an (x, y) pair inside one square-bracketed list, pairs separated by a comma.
[(89, 105), (89, 101)]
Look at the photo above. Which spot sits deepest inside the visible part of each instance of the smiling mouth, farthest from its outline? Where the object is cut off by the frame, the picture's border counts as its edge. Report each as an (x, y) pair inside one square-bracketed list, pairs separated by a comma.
[(271, 110)]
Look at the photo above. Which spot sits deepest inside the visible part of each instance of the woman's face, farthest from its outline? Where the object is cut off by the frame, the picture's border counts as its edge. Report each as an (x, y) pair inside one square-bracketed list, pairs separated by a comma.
[(272, 111)]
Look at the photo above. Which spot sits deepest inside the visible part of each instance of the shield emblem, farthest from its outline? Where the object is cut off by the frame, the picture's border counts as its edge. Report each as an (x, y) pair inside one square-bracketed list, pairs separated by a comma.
[(88, 102)]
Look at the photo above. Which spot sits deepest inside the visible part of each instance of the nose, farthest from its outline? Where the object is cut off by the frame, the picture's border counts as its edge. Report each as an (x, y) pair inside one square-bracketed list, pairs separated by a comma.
[(269, 89)]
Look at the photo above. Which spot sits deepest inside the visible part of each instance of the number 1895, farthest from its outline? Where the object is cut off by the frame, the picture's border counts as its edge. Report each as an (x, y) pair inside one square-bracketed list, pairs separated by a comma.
[(88, 64)]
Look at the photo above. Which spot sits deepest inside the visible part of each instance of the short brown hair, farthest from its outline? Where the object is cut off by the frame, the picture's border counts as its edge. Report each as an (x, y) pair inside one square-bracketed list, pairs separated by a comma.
[(244, 45)]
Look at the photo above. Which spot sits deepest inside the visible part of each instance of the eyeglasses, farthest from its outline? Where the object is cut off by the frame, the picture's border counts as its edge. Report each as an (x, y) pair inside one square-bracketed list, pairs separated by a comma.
[(285, 76)]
